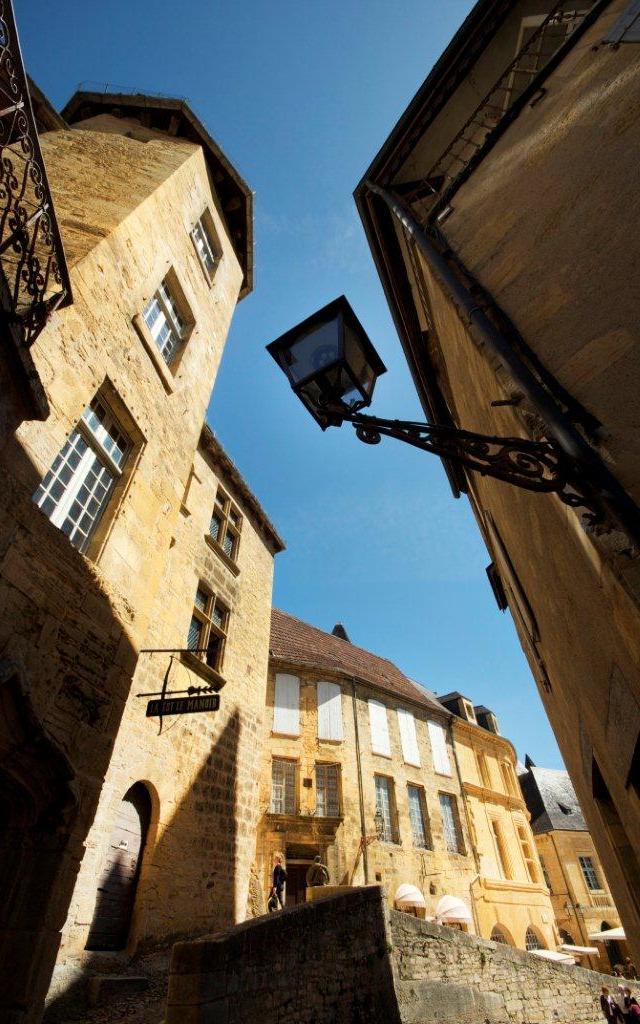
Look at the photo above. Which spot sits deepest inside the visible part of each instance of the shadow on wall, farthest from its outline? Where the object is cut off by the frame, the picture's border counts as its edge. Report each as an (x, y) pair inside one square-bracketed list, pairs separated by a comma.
[(182, 887), (67, 664)]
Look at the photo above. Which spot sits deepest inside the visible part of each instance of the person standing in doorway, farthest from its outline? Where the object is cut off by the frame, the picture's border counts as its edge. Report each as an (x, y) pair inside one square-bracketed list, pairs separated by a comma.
[(277, 884), (630, 969)]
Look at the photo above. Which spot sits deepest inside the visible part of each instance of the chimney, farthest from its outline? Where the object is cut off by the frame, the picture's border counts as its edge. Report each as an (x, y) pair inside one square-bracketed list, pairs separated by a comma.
[(339, 631), (528, 762)]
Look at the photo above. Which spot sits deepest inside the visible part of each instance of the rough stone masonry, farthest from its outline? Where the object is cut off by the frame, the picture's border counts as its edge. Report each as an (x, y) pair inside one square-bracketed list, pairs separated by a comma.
[(347, 960)]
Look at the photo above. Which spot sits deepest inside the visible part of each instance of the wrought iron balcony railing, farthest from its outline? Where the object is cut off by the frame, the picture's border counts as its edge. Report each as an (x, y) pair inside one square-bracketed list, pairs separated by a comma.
[(34, 277), (542, 49)]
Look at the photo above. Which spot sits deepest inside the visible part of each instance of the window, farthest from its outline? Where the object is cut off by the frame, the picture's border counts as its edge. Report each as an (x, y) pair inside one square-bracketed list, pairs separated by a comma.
[(532, 941), (545, 875), (451, 822), (483, 768), (327, 790), (385, 806), (329, 711), (283, 786), (75, 491), (164, 322), (225, 525), (408, 738), (207, 245), (380, 743), (497, 935), (438, 739), (504, 859), (528, 853), (418, 817), (507, 778), (208, 628), (286, 706), (469, 712), (589, 872)]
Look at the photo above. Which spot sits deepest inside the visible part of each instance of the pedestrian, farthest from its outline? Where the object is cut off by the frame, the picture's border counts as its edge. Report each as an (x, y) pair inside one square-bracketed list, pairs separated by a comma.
[(610, 1009), (277, 886), (631, 1006), (630, 969)]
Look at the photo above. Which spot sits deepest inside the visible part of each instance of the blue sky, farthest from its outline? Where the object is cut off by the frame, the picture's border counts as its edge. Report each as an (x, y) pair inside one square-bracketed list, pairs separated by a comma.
[(301, 96)]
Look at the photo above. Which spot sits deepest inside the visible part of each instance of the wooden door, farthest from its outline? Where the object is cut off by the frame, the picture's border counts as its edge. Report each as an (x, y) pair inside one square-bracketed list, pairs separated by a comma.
[(296, 891), (119, 878)]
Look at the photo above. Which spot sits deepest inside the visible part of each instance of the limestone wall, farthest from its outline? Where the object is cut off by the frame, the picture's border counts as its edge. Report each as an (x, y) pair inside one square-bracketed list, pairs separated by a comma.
[(319, 963), (344, 960), (443, 975)]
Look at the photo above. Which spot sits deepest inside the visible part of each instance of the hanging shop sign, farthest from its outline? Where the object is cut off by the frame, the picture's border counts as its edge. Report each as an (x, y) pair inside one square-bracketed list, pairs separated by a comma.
[(182, 705)]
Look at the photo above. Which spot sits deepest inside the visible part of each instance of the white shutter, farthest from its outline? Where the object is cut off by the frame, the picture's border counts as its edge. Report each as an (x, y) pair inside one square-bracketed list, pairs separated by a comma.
[(329, 712), (380, 743), (408, 738), (286, 706), (439, 749)]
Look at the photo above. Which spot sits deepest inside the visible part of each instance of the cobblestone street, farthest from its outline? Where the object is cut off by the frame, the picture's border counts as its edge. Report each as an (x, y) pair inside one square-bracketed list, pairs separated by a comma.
[(140, 1008)]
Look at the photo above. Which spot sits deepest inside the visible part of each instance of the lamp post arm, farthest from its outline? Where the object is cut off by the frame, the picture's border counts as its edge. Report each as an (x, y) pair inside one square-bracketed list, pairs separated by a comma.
[(533, 465)]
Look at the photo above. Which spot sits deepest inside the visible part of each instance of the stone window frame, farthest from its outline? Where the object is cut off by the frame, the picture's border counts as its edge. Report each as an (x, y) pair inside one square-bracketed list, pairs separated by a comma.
[(483, 769), (120, 417), (427, 844), (460, 847), (391, 829), (167, 371), (208, 245), (229, 519), (501, 847), (528, 849), (295, 764), (590, 869), (324, 765), (204, 613)]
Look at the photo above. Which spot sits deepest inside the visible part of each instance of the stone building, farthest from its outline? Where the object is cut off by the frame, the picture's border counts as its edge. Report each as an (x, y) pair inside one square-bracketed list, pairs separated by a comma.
[(582, 901), (170, 851), (384, 781), (101, 454), (501, 215), (510, 894)]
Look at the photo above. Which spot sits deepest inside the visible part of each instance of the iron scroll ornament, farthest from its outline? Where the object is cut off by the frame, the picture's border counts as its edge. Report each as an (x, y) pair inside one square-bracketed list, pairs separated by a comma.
[(533, 465)]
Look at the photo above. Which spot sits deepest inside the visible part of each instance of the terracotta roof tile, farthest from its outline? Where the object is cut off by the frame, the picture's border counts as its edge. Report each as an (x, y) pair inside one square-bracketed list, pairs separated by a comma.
[(295, 641)]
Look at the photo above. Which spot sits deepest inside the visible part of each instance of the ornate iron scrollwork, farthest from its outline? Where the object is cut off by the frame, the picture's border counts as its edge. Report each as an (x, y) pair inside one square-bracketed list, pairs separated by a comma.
[(33, 269), (532, 465)]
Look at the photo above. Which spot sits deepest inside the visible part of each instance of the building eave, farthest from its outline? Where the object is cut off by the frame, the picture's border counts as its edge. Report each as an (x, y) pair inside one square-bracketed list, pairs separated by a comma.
[(210, 445), (236, 198)]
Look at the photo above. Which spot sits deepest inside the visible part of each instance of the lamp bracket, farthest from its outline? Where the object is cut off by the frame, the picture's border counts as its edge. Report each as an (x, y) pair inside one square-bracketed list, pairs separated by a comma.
[(533, 465)]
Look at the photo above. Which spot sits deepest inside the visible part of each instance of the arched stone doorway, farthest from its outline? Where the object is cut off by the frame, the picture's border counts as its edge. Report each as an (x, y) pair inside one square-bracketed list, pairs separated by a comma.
[(119, 879), (500, 934), (612, 947), (37, 810)]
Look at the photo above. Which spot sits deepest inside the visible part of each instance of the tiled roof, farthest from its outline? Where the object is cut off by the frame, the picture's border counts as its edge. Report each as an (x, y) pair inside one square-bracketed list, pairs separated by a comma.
[(552, 801), (299, 643)]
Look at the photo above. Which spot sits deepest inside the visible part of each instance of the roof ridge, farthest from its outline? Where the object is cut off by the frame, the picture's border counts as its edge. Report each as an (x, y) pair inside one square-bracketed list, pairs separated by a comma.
[(356, 647)]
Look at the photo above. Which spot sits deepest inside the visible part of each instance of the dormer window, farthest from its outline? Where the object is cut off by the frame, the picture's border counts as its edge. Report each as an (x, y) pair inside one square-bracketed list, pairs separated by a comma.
[(207, 245), (469, 713)]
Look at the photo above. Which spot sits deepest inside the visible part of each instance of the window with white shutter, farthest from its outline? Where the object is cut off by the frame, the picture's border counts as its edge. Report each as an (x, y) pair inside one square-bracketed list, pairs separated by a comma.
[(329, 712), (438, 738), (380, 743), (286, 706), (408, 738)]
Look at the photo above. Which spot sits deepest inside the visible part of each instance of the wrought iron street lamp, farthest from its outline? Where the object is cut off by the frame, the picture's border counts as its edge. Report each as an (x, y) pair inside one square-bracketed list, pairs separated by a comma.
[(332, 366)]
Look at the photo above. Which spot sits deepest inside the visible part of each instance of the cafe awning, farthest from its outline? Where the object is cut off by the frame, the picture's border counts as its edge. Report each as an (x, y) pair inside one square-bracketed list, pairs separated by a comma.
[(581, 950), (551, 954), (610, 935)]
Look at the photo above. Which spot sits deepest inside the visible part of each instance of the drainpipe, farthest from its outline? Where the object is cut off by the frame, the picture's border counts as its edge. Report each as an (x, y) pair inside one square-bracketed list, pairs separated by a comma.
[(467, 816), (363, 829), (620, 506)]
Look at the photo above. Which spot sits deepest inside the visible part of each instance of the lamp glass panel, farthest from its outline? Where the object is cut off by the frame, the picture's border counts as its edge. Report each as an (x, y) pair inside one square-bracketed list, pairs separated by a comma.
[(313, 351), (359, 365)]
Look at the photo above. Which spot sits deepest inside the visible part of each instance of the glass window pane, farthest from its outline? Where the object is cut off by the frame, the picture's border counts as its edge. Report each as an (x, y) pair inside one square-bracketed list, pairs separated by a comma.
[(201, 599), (416, 816), (193, 637), (449, 821), (383, 807), (215, 526)]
